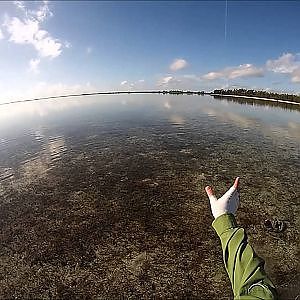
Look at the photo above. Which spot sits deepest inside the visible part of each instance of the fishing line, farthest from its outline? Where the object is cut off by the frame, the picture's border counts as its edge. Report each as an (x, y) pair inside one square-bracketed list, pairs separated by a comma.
[(226, 16), (225, 37)]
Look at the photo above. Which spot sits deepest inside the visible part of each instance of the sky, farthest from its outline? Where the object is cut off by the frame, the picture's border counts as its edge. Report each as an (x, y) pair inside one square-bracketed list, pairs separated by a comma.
[(60, 47)]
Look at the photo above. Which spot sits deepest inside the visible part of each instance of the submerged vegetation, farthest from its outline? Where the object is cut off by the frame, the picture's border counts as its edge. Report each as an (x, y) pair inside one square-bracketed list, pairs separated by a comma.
[(110, 206)]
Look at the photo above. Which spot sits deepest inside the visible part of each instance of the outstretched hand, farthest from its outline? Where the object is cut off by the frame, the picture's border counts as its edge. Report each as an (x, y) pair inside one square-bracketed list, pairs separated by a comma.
[(228, 203)]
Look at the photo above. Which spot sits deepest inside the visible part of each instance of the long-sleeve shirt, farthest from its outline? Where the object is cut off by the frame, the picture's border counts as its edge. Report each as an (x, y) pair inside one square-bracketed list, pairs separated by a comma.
[(245, 269)]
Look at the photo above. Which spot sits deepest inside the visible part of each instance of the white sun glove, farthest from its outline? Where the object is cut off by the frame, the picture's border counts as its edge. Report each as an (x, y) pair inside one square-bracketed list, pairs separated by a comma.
[(228, 203)]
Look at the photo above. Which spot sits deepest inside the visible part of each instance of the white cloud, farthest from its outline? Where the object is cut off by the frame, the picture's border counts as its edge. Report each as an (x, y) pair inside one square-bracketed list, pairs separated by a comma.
[(186, 81), (27, 30), (296, 76), (21, 32), (139, 84), (213, 75), (89, 50), (33, 65), (43, 12), (168, 81), (40, 14), (244, 70), (178, 64), (48, 46), (68, 44), (20, 5), (1, 34), (286, 63)]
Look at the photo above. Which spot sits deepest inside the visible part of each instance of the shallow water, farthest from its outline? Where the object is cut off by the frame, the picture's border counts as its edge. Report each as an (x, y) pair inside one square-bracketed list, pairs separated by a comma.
[(103, 195)]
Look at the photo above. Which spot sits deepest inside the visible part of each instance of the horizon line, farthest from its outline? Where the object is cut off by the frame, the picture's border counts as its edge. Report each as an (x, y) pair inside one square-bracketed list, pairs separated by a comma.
[(97, 93), (198, 92)]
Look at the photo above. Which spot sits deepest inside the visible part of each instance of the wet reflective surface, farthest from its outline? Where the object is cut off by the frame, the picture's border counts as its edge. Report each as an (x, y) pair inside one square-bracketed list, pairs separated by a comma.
[(104, 195)]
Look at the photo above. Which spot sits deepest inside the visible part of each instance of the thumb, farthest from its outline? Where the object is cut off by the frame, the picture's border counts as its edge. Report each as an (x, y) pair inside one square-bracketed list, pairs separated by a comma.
[(233, 188), (210, 193)]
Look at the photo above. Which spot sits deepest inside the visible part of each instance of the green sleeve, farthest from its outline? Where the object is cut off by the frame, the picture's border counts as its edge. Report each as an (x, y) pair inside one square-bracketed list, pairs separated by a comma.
[(244, 267)]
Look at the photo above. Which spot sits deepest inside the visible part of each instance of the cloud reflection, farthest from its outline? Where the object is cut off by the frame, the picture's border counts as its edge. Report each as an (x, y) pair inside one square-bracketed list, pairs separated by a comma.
[(177, 120), (274, 129), (167, 105), (37, 167)]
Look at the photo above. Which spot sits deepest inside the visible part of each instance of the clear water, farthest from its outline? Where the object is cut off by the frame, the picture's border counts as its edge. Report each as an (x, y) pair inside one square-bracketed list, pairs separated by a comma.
[(110, 189)]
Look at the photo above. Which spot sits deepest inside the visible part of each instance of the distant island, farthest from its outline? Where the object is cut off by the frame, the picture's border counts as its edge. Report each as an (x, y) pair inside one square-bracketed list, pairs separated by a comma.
[(179, 92), (236, 93), (261, 95)]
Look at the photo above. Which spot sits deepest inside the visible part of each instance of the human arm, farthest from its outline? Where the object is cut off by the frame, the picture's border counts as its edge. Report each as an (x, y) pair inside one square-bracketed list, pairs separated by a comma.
[(245, 269)]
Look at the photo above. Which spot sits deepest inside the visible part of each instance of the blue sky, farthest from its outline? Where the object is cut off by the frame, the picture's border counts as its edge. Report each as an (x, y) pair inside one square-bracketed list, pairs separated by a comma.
[(49, 48)]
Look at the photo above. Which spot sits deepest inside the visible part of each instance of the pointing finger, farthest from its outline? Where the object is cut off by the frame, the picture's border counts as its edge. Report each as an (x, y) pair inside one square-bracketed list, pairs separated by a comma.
[(210, 193), (236, 183), (233, 188)]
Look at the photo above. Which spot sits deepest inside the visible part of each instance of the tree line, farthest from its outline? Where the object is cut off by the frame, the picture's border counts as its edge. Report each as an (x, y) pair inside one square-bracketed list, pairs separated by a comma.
[(261, 94)]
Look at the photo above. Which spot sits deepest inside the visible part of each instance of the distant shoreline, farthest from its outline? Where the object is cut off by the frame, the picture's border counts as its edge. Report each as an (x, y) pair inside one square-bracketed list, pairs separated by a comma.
[(164, 92), (172, 92), (100, 93), (255, 98)]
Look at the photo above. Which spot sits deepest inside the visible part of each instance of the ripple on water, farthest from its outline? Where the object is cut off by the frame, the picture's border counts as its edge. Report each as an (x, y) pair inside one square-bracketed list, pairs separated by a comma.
[(56, 147), (38, 135), (3, 144), (6, 173)]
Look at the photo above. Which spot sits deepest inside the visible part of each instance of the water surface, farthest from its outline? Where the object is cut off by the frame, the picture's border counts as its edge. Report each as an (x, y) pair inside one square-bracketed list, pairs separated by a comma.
[(104, 195)]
